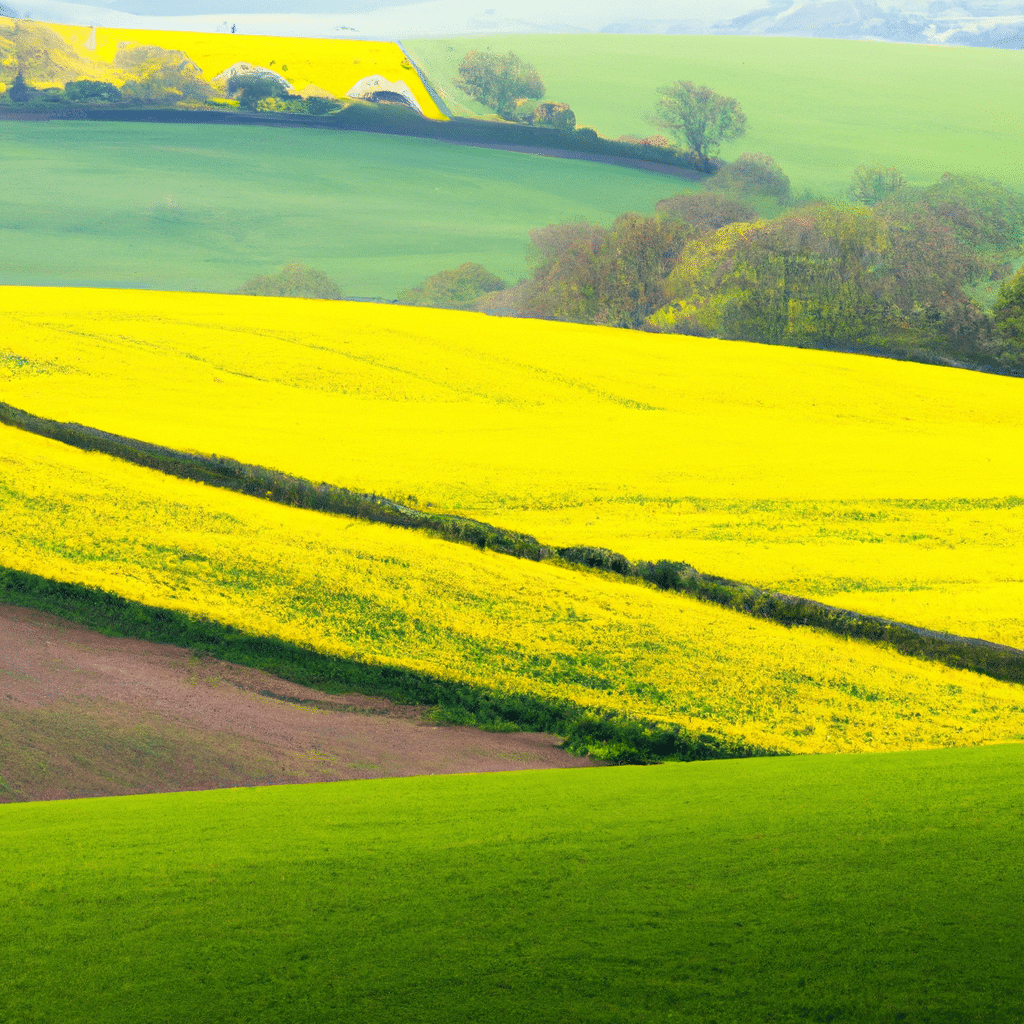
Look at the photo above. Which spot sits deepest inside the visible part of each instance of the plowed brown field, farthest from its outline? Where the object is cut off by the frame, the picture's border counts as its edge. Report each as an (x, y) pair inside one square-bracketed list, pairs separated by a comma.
[(82, 714)]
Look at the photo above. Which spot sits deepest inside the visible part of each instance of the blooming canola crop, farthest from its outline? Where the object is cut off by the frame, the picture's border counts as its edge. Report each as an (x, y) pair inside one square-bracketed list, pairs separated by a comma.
[(882, 486), (332, 65), (381, 594)]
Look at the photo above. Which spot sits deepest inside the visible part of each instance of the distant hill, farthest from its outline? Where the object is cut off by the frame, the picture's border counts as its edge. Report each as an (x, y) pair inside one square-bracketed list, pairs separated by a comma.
[(937, 22), (994, 23)]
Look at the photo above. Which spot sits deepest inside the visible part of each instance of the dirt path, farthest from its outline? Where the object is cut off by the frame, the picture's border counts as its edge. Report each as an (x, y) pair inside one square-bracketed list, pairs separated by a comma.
[(82, 714)]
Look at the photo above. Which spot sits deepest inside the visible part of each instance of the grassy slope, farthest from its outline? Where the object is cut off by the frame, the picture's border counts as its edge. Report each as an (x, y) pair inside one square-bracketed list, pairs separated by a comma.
[(385, 596), (850, 889), (203, 208), (889, 488), (819, 106)]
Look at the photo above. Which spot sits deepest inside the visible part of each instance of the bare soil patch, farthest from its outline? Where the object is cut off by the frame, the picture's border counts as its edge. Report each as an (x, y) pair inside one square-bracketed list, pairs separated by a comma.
[(82, 714)]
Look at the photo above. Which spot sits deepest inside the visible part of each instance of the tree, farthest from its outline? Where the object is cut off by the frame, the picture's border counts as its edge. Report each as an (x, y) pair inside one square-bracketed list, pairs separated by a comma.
[(19, 91), (613, 276), (706, 211), (554, 115), (498, 80), (295, 280), (453, 289), (753, 174), (251, 88), (1009, 313), (699, 115), (85, 90), (872, 183)]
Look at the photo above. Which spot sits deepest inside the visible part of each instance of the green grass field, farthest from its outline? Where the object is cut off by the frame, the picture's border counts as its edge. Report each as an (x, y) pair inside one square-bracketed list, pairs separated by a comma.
[(204, 207), (868, 889), (820, 107)]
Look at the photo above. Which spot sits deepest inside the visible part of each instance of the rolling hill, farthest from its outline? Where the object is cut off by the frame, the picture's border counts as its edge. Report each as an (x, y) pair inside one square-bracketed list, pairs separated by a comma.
[(889, 488)]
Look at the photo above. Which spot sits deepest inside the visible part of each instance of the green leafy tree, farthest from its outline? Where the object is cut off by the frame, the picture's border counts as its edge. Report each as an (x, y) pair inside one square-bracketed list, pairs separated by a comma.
[(753, 174), (872, 183), (251, 88), (295, 280), (613, 276), (86, 90), (704, 118), (554, 115), (706, 211), (453, 289), (498, 80), (1009, 313)]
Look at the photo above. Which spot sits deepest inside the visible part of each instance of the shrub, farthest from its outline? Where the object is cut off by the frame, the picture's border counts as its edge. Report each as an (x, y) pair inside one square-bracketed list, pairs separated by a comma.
[(86, 90), (19, 92), (250, 88), (295, 280), (706, 211), (872, 183), (753, 174), (554, 115), (498, 80), (453, 289)]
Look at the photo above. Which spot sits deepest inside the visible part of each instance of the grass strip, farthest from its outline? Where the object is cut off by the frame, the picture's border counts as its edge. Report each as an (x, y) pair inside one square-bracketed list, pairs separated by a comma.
[(995, 660), (606, 735)]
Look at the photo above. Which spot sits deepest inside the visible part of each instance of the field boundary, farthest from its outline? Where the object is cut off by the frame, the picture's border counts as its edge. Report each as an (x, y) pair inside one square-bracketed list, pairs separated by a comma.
[(606, 735), (578, 144), (998, 661)]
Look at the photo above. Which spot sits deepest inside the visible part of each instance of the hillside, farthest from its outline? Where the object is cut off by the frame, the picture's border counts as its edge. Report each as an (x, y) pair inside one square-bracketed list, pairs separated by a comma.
[(850, 889), (206, 207), (925, 109), (52, 55), (889, 488)]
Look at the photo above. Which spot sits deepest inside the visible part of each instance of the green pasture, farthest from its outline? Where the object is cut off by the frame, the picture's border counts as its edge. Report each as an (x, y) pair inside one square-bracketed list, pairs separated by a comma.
[(205, 207), (820, 107), (849, 888)]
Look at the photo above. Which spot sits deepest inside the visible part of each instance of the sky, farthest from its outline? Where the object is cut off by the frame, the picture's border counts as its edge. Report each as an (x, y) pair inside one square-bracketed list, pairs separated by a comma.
[(386, 19)]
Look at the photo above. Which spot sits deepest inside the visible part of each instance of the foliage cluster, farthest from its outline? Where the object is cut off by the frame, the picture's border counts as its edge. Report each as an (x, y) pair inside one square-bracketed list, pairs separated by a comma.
[(611, 276), (498, 80), (296, 280), (453, 289), (700, 116), (511, 88), (889, 275)]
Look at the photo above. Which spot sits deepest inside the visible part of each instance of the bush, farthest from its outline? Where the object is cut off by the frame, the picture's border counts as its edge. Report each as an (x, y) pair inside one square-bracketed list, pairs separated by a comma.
[(753, 174), (553, 115), (19, 92), (86, 90), (250, 88), (872, 183), (706, 211), (1009, 321), (453, 289), (296, 280), (498, 80)]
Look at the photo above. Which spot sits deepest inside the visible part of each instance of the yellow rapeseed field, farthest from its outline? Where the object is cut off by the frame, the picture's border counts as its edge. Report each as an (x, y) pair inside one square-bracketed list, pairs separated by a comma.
[(334, 65), (882, 486), (386, 595)]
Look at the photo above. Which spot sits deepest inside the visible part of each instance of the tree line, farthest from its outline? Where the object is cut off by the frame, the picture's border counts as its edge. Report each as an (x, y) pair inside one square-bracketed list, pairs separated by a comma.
[(896, 270)]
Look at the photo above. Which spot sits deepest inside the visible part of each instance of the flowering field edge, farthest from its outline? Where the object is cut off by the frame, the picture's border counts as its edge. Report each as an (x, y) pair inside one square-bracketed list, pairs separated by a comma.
[(994, 660), (607, 735)]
